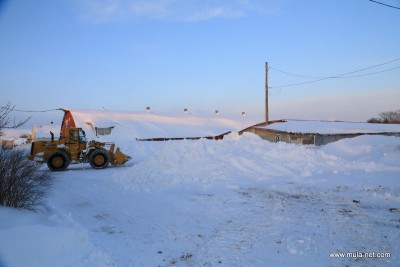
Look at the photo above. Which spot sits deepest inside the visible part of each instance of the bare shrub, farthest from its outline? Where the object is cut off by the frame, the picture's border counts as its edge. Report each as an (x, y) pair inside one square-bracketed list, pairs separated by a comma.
[(5, 120), (374, 120), (22, 184)]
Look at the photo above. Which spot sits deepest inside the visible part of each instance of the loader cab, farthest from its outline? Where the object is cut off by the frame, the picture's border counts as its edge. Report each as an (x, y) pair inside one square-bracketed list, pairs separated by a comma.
[(76, 135), (82, 136)]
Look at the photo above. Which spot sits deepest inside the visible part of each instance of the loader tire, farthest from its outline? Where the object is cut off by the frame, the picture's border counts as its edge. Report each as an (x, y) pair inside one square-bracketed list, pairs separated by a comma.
[(58, 161), (99, 159)]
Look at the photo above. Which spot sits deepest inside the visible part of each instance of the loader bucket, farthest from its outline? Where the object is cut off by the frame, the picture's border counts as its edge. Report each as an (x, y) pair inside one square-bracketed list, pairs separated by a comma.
[(120, 158)]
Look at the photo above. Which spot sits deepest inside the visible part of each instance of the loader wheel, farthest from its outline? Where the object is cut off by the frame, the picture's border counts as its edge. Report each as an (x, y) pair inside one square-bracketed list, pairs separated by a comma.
[(99, 159), (58, 161)]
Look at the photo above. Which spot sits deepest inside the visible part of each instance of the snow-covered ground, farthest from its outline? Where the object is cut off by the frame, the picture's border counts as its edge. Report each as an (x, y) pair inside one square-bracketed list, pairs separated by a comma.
[(241, 201)]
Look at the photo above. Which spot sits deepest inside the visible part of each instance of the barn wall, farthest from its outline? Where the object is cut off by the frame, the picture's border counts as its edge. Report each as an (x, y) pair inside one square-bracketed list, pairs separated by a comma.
[(326, 139), (278, 136)]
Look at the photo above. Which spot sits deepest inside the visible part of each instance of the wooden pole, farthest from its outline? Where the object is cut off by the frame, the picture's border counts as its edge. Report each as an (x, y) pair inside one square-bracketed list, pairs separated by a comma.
[(266, 94)]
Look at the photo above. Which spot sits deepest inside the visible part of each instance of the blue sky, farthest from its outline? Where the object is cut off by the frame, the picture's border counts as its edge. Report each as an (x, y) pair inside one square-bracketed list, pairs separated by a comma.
[(204, 55)]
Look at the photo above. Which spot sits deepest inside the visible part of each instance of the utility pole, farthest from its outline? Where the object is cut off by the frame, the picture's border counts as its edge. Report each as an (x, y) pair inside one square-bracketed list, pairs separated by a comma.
[(266, 94)]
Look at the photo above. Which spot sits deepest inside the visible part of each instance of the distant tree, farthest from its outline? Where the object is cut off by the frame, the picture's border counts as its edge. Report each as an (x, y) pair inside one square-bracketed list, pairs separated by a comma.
[(374, 120), (392, 117), (5, 119)]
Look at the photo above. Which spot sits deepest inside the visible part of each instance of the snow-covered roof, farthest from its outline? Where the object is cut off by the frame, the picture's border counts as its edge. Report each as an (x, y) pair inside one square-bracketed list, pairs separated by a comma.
[(154, 125), (144, 125), (332, 127)]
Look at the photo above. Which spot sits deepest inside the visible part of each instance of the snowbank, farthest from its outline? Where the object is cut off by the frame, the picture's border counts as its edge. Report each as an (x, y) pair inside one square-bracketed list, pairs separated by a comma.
[(249, 157)]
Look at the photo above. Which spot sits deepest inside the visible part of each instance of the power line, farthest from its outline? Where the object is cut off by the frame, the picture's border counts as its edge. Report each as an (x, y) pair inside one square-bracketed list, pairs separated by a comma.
[(371, 73), (391, 61), (28, 111), (333, 76), (385, 4), (336, 76), (297, 75)]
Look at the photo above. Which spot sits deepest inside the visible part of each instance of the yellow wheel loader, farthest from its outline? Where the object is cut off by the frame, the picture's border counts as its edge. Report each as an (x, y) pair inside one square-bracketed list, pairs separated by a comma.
[(72, 147)]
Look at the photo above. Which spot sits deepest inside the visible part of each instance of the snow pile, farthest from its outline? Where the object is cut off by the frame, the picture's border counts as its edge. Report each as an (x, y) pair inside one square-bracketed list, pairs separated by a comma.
[(205, 161), (17, 135), (367, 148)]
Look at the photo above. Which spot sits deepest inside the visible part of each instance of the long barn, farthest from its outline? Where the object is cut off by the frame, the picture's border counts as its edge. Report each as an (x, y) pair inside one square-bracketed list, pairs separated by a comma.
[(319, 132)]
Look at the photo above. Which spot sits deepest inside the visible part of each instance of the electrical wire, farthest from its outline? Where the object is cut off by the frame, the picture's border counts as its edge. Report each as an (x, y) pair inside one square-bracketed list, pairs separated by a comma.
[(391, 61), (385, 4), (329, 77), (29, 111), (371, 73), (336, 76), (297, 75)]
